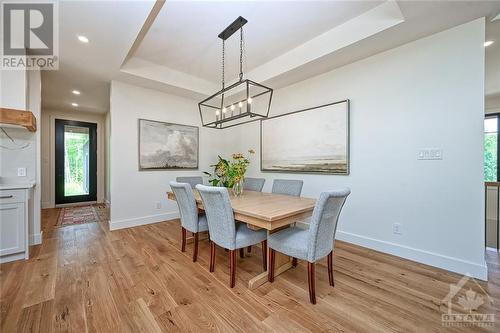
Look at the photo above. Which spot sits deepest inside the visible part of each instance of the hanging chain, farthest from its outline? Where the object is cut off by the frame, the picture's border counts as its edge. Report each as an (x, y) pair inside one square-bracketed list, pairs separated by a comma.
[(223, 62), (241, 54)]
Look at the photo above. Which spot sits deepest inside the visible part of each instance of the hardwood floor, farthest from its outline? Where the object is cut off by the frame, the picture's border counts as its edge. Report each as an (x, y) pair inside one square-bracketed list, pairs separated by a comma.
[(84, 278)]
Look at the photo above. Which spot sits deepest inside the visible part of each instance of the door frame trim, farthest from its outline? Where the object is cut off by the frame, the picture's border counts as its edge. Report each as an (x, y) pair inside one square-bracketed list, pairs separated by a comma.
[(60, 199)]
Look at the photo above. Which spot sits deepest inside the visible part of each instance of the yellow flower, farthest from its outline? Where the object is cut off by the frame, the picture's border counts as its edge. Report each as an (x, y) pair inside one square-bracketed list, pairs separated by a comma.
[(237, 156)]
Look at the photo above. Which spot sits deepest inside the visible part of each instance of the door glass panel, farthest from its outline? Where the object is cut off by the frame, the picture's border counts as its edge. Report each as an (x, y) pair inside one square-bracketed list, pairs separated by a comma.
[(76, 160)]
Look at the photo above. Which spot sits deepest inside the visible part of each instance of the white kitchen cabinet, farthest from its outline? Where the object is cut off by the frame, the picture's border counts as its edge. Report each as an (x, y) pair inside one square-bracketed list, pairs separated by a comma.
[(14, 203), (12, 229)]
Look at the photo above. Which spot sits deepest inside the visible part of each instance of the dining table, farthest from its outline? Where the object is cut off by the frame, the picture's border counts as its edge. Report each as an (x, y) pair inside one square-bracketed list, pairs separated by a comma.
[(273, 212)]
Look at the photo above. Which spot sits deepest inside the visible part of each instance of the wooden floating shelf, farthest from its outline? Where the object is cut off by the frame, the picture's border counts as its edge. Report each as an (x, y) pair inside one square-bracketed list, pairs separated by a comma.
[(19, 118)]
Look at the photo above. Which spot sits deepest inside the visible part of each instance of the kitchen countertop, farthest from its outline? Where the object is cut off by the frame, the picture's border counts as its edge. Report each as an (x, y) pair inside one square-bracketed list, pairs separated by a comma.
[(16, 186)]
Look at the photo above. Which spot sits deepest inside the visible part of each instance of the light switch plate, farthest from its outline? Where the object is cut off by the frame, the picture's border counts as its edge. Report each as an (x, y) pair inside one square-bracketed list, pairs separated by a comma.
[(21, 172), (430, 154)]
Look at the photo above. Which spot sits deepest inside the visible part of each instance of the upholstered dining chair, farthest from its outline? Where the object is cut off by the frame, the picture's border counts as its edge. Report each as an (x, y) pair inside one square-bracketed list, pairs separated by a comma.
[(190, 219), (314, 243), (253, 184), (287, 186), (193, 181), (224, 231)]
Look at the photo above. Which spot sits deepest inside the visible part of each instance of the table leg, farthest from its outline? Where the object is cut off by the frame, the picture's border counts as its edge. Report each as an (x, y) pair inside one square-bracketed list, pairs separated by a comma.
[(282, 263)]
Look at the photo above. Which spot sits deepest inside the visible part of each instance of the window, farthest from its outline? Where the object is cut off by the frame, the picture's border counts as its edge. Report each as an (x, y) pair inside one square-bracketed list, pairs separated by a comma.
[(491, 148)]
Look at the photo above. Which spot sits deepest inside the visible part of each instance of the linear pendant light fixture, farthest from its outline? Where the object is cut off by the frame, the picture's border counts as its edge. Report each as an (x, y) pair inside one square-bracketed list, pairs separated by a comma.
[(239, 103)]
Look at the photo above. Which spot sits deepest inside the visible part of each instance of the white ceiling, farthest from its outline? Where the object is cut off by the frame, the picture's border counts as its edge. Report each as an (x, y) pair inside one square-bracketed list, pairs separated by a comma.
[(285, 42), (111, 28), (184, 35)]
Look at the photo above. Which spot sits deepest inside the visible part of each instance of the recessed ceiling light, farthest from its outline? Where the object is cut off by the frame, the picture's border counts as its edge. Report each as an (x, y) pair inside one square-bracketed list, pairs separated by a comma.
[(76, 92), (74, 104), (83, 39), (488, 43)]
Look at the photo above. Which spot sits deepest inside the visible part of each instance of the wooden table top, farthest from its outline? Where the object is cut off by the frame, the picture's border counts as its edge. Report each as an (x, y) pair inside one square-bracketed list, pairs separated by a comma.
[(265, 210)]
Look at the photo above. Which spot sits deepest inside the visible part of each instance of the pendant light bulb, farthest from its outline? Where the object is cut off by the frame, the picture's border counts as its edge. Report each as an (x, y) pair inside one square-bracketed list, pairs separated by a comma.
[(232, 107), (224, 110), (249, 100), (240, 104)]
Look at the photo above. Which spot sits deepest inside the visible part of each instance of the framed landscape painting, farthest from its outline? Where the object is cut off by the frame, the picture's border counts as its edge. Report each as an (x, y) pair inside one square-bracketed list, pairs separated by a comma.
[(164, 146), (314, 140)]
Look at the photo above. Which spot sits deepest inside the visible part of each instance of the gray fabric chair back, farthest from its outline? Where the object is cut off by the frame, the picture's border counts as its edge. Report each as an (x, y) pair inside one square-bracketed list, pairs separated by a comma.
[(187, 205), (323, 224), (193, 181), (253, 184), (287, 186), (220, 216)]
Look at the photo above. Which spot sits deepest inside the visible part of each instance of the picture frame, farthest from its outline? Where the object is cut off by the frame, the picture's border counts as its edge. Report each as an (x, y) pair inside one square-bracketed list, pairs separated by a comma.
[(167, 146), (313, 140)]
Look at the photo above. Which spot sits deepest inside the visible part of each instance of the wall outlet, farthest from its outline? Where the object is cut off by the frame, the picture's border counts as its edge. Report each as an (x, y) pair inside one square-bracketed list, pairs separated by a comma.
[(21, 172), (396, 229), (158, 205)]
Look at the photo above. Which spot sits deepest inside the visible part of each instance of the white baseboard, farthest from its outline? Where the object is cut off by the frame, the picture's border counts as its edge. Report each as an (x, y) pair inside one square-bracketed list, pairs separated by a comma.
[(479, 271), (12, 257), (107, 202), (36, 239), (137, 221)]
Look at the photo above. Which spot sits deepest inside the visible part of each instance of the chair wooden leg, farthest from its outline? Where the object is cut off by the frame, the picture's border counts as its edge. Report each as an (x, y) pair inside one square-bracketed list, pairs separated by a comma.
[(195, 249), (294, 262), (249, 249), (183, 240), (330, 269), (270, 267), (312, 282), (242, 253), (212, 257), (232, 268), (263, 244)]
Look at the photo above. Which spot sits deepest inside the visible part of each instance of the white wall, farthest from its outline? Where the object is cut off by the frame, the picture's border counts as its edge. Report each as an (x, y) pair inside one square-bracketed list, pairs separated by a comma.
[(107, 158), (492, 103), (21, 90), (14, 89), (48, 151), (21, 154), (428, 93), (134, 193), (492, 65), (14, 94), (35, 106)]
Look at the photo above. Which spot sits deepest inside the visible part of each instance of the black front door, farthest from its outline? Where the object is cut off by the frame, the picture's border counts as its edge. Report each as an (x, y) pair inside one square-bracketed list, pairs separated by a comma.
[(76, 161)]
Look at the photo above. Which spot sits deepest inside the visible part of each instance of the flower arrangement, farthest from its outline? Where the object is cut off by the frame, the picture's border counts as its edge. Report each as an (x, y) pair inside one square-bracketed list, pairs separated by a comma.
[(228, 173)]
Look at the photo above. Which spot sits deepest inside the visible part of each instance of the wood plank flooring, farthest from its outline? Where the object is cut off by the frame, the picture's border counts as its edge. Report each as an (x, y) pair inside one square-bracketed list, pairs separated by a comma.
[(84, 278)]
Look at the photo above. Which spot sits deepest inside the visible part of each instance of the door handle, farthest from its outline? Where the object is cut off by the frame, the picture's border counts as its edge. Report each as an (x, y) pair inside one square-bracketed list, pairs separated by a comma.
[(6, 196)]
